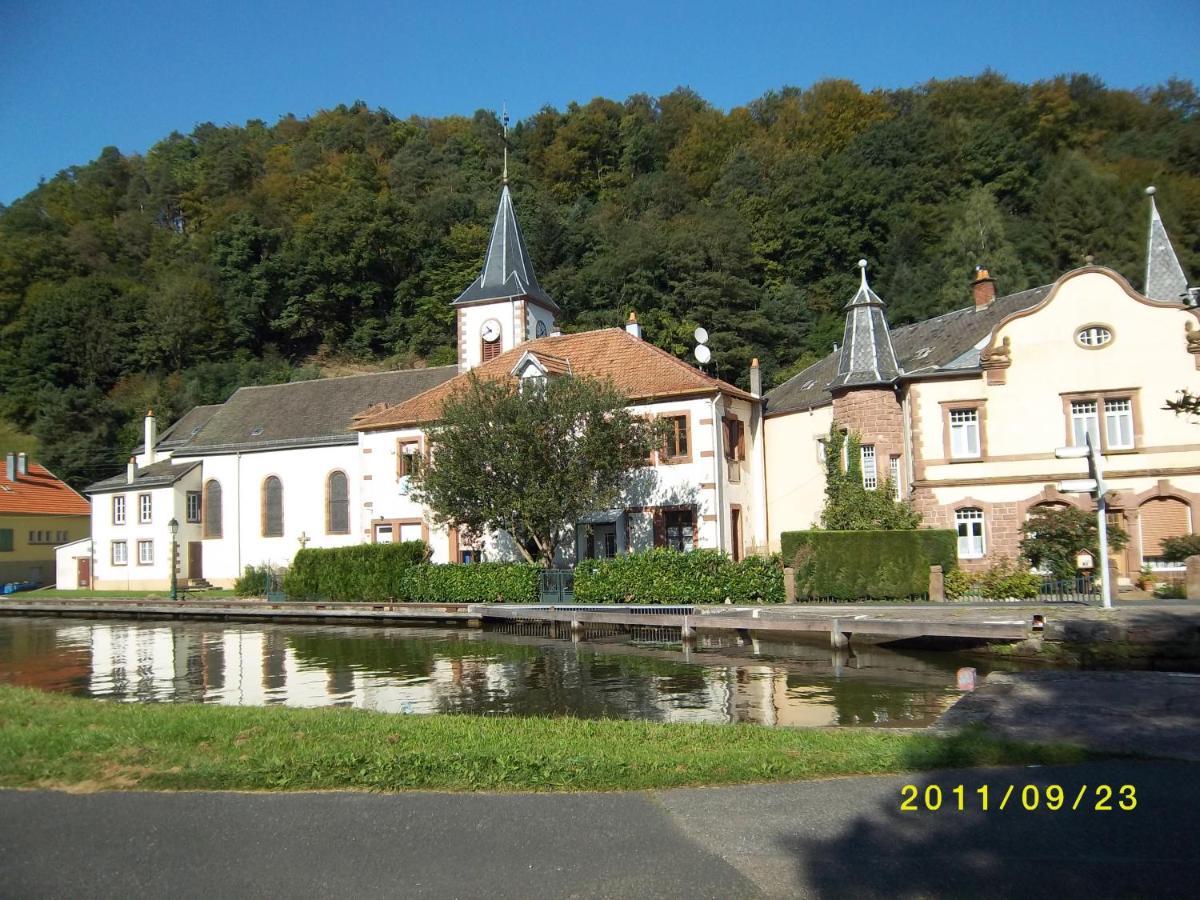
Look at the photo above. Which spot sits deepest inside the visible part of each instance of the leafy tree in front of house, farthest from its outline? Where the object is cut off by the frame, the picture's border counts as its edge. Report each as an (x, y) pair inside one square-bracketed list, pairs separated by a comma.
[(530, 462), (1186, 404), (1053, 536), (849, 506), (1177, 549)]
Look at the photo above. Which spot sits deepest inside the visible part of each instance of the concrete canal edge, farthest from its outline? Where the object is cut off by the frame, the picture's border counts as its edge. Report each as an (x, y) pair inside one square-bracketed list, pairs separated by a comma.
[(1163, 636)]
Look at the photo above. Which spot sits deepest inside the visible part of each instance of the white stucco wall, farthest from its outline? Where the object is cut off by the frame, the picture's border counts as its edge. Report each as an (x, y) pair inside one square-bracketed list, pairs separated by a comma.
[(795, 477)]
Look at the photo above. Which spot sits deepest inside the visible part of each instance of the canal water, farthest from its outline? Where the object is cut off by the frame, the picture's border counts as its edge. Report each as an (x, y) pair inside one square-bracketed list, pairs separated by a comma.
[(439, 670)]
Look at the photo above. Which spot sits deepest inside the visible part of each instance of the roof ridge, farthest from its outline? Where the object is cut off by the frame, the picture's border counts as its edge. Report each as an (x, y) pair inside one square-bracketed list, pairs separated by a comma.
[(251, 387)]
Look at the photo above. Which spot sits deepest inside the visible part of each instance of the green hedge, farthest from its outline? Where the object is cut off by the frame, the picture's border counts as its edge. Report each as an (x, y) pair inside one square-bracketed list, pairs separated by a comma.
[(489, 582), (867, 565), (359, 572), (667, 576), (399, 572)]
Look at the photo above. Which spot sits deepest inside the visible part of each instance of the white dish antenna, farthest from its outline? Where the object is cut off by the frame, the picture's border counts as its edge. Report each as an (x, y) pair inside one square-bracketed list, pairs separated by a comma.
[(701, 336), (703, 354)]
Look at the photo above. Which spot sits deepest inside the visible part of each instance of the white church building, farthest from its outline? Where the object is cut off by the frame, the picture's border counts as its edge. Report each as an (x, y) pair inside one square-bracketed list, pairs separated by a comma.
[(326, 463)]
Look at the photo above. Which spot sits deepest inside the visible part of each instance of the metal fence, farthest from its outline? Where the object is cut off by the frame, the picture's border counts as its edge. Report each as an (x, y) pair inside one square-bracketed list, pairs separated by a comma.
[(556, 586), (1082, 589)]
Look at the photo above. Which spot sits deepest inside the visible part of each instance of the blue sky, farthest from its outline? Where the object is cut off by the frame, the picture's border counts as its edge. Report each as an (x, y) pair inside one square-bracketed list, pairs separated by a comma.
[(79, 76)]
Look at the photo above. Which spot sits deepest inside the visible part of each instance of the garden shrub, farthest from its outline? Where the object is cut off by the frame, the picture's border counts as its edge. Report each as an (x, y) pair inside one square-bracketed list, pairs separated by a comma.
[(1178, 549), (861, 565), (489, 582), (668, 576), (400, 573), (255, 581), (358, 572), (1003, 581)]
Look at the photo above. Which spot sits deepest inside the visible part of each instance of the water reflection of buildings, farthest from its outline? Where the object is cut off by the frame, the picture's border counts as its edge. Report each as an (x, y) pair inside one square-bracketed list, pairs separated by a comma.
[(419, 670)]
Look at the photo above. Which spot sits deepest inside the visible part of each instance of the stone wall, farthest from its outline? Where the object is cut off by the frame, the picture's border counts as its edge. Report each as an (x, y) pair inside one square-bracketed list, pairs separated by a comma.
[(876, 415)]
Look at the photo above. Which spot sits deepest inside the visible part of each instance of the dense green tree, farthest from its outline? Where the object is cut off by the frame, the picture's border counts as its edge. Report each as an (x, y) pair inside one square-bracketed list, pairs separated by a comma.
[(1053, 536), (530, 462)]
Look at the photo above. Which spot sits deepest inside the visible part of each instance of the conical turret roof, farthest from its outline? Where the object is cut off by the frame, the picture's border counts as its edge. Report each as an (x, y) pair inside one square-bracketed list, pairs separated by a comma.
[(866, 356), (1165, 279), (507, 270)]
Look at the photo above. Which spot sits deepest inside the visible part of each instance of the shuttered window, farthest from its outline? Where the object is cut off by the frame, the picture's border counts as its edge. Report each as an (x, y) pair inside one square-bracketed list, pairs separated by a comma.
[(272, 507), (337, 504), (1161, 518)]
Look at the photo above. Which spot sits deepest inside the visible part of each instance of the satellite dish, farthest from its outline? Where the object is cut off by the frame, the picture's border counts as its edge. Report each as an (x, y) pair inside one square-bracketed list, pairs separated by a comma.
[(700, 335), (703, 354)]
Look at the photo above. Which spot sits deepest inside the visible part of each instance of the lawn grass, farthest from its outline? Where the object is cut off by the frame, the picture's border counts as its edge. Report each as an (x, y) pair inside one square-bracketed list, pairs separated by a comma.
[(49, 740), (53, 594)]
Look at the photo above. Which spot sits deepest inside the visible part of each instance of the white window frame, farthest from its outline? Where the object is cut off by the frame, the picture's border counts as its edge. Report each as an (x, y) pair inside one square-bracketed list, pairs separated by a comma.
[(1118, 412), (145, 553), (972, 541), (870, 471), (964, 433), (118, 509), (145, 509), (193, 498), (1085, 417), (119, 553), (822, 445), (894, 474)]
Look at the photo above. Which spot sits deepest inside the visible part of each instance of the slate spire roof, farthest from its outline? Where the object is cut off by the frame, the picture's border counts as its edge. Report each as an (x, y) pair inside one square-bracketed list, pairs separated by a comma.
[(1165, 279), (507, 269), (866, 356)]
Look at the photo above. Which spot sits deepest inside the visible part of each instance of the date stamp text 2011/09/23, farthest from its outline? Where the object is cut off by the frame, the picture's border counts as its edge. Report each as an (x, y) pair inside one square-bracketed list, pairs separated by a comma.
[(1030, 797)]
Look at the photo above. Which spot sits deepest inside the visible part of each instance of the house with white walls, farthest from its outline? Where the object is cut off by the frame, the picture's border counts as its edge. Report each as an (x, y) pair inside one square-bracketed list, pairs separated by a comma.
[(325, 463)]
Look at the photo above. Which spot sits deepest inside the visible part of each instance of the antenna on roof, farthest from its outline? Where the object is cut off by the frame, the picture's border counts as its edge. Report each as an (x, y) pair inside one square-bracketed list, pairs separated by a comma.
[(504, 122), (703, 354)]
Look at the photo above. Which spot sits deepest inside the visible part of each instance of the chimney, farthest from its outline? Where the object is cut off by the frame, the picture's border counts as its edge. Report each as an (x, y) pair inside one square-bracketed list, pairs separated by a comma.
[(632, 325), (151, 436), (755, 378), (10, 466), (984, 288), (22, 464), (130, 471)]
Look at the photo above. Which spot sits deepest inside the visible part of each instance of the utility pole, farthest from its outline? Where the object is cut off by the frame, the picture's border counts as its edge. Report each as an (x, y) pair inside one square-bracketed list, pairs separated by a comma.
[(1095, 485)]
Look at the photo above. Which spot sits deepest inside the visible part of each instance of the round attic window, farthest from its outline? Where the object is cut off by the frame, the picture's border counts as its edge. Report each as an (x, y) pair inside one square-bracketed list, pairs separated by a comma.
[(1093, 336)]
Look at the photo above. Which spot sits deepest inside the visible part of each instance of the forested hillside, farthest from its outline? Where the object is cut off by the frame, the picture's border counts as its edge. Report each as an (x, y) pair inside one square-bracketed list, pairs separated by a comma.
[(255, 253)]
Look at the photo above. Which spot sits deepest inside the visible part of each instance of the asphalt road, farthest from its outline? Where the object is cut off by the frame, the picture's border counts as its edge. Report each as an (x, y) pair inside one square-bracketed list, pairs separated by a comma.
[(838, 838)]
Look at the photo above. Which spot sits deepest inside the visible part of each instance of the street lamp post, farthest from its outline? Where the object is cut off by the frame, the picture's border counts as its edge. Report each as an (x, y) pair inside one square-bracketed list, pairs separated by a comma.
[(174, 526), (1096, 486)]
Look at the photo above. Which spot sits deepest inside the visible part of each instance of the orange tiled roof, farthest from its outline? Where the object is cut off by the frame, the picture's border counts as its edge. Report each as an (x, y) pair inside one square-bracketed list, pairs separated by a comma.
[(638, 369), (39, 493)]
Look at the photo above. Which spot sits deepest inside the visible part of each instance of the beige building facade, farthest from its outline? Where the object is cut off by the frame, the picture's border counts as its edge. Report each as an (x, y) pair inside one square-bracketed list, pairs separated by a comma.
[(964, 412)]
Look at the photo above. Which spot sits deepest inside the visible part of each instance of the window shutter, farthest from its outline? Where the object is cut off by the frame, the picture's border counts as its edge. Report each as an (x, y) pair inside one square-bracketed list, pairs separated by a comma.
[(660, 528), (6, 539), (741, 439), (1162, 518)]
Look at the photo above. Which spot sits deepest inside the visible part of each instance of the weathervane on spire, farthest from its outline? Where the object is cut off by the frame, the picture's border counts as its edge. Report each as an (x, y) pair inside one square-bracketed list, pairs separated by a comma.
[(504, 122)]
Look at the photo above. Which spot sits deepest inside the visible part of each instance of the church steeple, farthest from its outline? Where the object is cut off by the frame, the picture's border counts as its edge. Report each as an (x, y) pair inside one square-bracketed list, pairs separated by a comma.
[(866, 356), (1165, 279), (507, 270)]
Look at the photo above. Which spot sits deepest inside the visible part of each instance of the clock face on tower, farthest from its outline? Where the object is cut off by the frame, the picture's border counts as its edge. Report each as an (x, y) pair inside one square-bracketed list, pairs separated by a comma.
[(490, 331), (541, 328)]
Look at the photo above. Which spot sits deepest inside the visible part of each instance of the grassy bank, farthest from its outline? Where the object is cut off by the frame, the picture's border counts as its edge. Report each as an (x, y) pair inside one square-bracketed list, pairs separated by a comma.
[(56, 741)]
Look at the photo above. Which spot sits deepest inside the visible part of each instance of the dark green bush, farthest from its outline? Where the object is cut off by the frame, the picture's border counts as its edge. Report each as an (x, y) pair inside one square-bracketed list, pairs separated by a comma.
[(400, 572), (359, 572), (255, 581), (1178, 549), (667, 576), (865, 565), (489, 582)]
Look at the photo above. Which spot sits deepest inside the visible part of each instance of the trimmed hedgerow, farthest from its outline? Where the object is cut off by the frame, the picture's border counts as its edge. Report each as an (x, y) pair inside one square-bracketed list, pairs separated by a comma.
[(489, 582), (667, 576), (399, 572), (867, 565), (359, 572)]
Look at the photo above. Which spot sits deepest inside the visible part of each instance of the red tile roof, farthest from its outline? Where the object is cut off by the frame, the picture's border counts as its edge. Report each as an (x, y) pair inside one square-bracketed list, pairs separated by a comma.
[(39, 493), (641, 371)]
